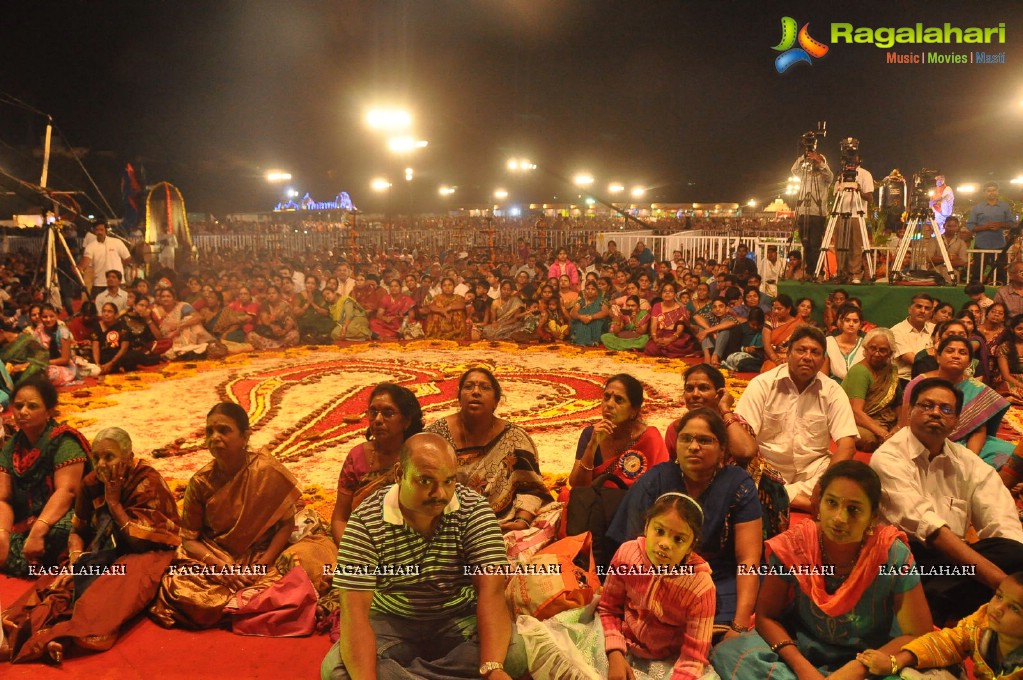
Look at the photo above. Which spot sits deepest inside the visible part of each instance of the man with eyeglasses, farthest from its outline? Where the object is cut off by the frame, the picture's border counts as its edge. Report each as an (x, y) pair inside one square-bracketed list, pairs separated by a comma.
[(935, 490), (796, 412)]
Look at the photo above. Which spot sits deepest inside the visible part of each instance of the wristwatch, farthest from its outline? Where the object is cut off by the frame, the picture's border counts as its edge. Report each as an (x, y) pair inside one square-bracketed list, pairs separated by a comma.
[(489, 667)]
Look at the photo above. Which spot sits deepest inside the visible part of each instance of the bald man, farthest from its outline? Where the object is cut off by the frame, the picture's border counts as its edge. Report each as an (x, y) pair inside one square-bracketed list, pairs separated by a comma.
[(409, 607)]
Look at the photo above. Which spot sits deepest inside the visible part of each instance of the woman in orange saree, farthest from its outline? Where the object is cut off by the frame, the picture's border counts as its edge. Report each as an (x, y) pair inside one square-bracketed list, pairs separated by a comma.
[(125, 522), (238, 511), (781, 324)]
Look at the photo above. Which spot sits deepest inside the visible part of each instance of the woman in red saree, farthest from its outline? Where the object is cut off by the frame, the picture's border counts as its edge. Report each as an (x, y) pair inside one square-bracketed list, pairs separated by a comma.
[(125, 519), (669, 327), (391, 312), (238, 510)]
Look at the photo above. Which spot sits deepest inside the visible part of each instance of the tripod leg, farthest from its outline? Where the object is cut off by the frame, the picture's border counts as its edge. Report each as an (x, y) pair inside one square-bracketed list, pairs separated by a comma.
[(829, 232)]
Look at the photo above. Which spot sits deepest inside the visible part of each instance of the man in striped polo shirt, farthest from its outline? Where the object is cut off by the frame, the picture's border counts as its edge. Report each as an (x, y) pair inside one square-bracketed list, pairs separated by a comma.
[(414, 600)]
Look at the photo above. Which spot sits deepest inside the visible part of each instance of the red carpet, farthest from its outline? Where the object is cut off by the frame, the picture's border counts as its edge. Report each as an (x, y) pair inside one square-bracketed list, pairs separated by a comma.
[(147, 651)]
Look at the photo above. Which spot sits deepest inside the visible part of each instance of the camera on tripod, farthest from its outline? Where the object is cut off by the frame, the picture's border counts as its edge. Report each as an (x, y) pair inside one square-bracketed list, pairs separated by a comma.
[(850, 147), (808, 142), (924, 186)]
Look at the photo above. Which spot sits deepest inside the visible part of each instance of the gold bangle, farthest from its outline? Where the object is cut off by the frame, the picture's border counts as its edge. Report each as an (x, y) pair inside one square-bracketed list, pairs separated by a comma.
[(40, 519), (6, 531), (895, 664), (203, 558), (584, 465)]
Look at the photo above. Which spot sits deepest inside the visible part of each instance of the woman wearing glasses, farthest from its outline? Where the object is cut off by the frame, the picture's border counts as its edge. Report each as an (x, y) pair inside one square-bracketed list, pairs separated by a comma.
[(394, 415), (732, 533), (872, 385), (495, 458), (983, 408)]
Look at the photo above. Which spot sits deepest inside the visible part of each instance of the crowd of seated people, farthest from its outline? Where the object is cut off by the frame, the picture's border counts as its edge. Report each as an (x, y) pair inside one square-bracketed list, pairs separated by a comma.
[(796, 554), (621, 301), (703, 525)]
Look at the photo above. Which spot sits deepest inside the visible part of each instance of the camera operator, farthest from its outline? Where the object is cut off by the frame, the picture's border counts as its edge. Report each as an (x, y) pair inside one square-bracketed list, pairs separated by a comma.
[(847, 231), (941, 202), (954, 246), (811, 212)]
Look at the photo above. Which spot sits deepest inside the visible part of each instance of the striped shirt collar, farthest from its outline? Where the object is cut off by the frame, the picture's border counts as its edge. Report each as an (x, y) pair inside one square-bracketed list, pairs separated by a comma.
[(392, 510)]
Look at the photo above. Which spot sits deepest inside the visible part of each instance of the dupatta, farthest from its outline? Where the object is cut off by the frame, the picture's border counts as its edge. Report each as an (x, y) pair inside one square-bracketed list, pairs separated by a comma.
[(800, 545)]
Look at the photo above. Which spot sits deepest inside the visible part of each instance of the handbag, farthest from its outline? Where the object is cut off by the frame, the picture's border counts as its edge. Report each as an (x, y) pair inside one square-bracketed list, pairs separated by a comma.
[(559, 577), (285, 609)]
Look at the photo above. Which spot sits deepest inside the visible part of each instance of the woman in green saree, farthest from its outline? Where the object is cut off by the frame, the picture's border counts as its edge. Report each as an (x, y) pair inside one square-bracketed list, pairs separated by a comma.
[(629, 327), (872, 385), (589, 317)]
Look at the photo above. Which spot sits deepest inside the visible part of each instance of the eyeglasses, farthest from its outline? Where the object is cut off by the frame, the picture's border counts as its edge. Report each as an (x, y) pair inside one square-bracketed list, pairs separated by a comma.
[(387, 413), (702, 440), (884, 351), (928, 406), (482, 386)]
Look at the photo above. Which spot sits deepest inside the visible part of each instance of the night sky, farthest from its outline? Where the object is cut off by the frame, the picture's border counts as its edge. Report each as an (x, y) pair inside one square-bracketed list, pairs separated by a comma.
[(682, 97)]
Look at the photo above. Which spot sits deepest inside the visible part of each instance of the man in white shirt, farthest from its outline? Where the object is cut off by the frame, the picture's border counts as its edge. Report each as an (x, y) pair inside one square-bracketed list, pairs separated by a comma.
[(796, 412), (102, 255), (934, 490), (941, 202), (345, 280), (913, 334), (771, 270), (113, 293)]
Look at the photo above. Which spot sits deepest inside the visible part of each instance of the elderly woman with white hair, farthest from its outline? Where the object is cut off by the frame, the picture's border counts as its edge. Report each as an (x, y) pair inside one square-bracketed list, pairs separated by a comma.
[(125, 528), (874, 392)]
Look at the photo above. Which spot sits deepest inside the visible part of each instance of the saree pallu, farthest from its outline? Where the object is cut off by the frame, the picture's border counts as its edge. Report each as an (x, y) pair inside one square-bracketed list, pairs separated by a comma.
[(191, 339), (982, 408), (881, 404), (368, 299), (32, 469), (780, 343), (450, 326), (831, 620), (393, 307), (231, 526), (265, 336), (53, 344), (91, 614), (358, 480), (620, 344), (668, 323), (504, 324), (348, 313), (506, 471)]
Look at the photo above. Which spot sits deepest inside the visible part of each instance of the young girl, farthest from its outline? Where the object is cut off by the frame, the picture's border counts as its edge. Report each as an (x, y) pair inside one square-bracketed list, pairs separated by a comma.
[(657, 608), (554, 326)]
